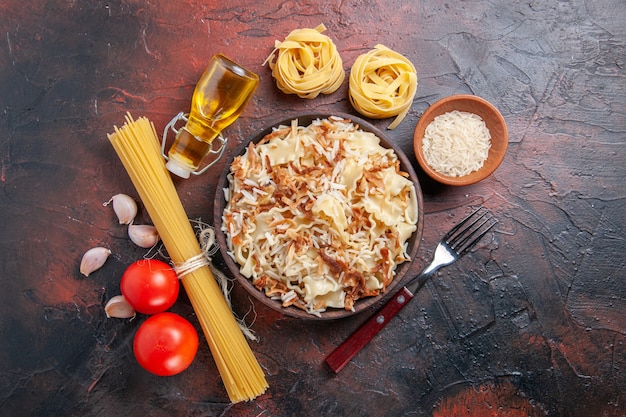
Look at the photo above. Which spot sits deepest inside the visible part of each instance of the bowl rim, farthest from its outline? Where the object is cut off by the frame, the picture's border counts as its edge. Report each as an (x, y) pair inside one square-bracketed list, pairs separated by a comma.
[(499, 134), (361, 304)]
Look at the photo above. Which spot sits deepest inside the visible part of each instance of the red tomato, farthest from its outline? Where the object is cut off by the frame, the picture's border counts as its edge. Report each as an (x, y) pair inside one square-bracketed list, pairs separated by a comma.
[(165, 344), (150, 286)]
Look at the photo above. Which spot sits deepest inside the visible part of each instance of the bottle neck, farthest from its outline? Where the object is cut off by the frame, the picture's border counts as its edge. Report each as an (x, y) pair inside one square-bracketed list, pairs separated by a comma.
[(201, 130)]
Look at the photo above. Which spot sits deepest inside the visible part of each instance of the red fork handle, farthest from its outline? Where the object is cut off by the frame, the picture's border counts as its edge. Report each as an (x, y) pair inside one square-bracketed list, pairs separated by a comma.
[(342, 355)]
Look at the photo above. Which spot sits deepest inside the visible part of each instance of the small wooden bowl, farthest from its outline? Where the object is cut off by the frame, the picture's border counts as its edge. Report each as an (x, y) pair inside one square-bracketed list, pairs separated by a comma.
[(332, 313), (471, 104)]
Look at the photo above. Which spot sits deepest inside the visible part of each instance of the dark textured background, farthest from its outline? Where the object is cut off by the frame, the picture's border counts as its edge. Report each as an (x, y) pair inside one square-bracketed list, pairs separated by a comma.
[(532, 323)]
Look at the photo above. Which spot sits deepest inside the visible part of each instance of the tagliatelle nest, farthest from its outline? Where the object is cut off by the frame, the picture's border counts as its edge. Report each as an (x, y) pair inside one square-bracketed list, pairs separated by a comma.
[(319, 216), (306, 63), (382, 84)]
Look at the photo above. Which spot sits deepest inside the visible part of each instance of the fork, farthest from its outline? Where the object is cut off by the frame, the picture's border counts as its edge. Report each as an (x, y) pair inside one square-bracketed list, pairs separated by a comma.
[(454, 244)]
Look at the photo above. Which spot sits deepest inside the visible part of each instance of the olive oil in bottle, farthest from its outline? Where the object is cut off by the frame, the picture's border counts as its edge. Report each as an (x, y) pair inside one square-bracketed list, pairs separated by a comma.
[(218, 99)]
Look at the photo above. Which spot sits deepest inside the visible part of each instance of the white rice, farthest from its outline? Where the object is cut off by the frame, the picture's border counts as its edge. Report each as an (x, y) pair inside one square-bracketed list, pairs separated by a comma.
[(456, 143)]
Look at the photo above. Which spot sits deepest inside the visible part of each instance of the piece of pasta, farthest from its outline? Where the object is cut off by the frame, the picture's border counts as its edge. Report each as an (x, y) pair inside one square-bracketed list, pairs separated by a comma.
[(382, 84), (306, 63)]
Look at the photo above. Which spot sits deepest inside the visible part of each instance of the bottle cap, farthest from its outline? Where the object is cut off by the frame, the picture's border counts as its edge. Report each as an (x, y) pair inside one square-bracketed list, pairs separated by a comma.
[(175, 168)]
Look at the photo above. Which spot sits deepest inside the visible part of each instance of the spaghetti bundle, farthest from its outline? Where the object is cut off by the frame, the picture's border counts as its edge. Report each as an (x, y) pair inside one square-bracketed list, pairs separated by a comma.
[(306, 63), (137, 146), (382, 84)]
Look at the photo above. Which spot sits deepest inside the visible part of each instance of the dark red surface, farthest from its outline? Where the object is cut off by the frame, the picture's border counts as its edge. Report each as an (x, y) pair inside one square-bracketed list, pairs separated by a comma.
[(531, 323)]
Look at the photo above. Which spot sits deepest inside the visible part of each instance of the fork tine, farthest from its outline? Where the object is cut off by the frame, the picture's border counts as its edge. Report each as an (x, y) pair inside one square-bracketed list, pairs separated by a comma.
[(471, 244), (462, 223), (465, 239), (464, 235)]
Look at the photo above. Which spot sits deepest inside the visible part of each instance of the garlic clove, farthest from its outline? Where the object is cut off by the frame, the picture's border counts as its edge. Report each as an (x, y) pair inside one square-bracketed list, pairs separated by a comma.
[(93, 259), (143, 235), (124, 207), (119, 308)]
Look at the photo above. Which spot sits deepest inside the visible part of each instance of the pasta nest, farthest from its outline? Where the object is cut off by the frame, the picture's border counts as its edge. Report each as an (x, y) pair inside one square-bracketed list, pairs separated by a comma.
[(382, 84), (306, 63)]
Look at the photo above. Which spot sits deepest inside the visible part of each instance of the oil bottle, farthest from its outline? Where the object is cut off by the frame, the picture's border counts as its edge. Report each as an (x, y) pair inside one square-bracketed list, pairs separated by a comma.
[(219, 98)]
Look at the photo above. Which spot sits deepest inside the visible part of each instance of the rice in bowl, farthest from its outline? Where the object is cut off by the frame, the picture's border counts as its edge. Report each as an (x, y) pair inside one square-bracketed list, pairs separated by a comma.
[(456, 143)]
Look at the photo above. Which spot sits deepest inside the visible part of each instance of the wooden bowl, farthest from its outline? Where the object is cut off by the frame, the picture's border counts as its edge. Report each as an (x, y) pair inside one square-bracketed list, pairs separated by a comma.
[(471, 104), (331, 313)]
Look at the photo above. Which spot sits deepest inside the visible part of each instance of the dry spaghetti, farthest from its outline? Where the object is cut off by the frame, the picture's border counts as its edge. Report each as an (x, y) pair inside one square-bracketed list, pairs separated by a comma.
[(382, 84), (306, 63), (137, 146)]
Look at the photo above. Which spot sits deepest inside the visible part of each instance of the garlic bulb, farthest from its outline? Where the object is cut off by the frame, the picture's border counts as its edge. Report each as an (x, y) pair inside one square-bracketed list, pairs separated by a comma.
[(119, 308), (93, 259), (143, 235), (124, 207)]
